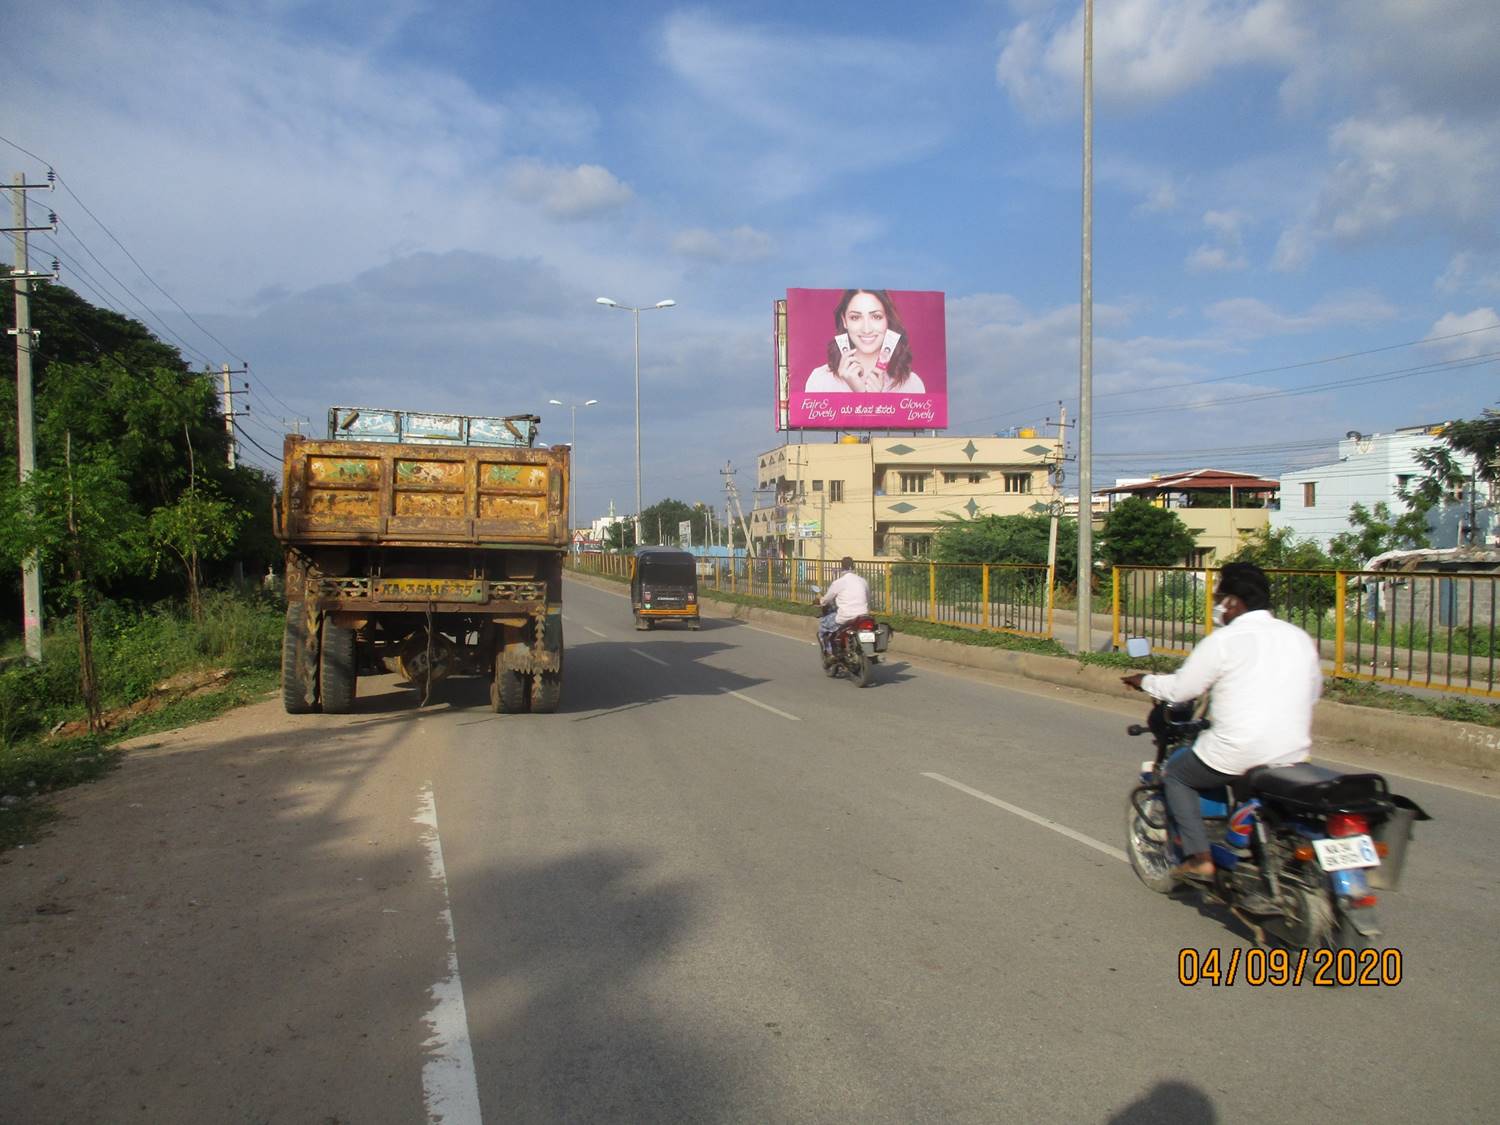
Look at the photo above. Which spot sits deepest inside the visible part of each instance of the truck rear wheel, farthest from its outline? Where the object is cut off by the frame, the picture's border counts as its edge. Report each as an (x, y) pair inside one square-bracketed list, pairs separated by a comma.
[(508, 691), (546, 688), (299, 685), (337, 674)]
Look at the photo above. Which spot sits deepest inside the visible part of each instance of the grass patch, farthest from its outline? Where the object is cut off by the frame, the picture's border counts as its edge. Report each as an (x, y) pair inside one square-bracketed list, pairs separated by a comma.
[(135, 649), (1362, 693)]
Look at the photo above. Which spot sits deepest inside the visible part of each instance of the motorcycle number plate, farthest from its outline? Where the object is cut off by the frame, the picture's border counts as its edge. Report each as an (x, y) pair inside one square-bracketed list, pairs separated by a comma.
[(1346, 852), (866, 636)]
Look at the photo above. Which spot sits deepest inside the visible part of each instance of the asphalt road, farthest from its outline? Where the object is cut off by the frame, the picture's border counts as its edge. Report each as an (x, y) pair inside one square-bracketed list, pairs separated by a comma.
[(716, 886)]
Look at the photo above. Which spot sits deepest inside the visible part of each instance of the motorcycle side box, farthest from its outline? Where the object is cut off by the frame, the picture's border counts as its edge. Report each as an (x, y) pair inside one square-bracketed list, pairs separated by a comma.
[(882, 636)]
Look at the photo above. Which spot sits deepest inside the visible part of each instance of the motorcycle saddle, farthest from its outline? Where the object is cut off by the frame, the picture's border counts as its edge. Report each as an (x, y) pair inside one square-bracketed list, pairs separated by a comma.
[(1317, 788)]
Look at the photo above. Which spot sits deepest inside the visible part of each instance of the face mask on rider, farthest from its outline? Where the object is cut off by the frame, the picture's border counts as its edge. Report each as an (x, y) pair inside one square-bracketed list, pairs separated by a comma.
[(1218, 614)]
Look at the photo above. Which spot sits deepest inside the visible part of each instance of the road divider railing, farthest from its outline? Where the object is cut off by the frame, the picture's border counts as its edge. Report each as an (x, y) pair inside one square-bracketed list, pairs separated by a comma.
[(1012, 598), (1423, 629)]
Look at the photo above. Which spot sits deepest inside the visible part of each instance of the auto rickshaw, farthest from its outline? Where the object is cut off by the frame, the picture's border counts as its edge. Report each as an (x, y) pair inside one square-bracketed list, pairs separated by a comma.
[(663, 587)]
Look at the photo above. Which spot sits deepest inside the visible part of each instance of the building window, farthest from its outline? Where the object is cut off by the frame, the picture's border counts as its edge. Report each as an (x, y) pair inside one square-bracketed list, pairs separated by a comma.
[(1310, 494), (962, 478), (913, 482), (1403, 482), (917, 546), (817, 486), (835, 491), (1017, 482)]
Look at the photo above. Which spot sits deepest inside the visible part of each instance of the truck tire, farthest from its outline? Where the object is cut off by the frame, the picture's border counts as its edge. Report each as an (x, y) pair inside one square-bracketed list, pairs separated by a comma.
[(508, 691), (546, 689), (337, 675), (299, 694)]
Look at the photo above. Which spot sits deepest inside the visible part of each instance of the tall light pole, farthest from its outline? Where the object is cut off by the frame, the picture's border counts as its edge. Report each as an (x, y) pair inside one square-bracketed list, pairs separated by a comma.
[(1084, 638), (636, 312), (572, 459)]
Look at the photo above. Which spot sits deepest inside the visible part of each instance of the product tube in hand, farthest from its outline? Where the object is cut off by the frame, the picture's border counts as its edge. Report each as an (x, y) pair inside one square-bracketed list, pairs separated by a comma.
[(887, 349)]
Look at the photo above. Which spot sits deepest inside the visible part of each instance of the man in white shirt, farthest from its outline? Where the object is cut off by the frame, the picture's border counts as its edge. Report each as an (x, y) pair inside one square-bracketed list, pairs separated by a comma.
[(849, 594), (1265, 678)]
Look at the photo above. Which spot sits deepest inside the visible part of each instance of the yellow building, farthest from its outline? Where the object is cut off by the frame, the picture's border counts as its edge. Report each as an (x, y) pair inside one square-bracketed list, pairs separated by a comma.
[(873, 497), (1219, 506)]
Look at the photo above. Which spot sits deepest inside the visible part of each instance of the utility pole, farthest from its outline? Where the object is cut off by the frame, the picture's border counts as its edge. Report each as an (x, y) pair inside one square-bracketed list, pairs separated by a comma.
[(21, 275), (732, 495), (229, 412), (1085, 635)]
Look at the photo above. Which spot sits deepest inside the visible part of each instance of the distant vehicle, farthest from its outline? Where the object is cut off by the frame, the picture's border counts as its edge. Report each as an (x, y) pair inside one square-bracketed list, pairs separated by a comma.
[(663, 587), (434, 542)]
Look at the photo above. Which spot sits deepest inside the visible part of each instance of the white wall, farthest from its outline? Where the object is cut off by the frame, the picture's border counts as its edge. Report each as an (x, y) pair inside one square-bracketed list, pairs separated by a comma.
[(1369, 471)]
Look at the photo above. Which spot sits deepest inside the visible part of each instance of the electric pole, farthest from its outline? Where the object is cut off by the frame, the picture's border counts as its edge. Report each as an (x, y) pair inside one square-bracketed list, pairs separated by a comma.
[(229, 412), (21, 275)]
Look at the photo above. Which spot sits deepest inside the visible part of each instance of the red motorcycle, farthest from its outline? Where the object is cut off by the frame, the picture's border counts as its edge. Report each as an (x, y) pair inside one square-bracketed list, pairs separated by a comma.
[(855, 647)]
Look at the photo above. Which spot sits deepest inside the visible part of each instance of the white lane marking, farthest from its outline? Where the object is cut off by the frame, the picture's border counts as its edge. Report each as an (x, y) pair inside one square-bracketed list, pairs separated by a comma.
[(763, 706), (653, 659), (449, 1087), (1033, 817), (596, 632)]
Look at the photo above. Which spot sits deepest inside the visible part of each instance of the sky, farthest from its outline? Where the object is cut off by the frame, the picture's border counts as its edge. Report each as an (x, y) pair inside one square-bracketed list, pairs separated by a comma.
[(415, 205)]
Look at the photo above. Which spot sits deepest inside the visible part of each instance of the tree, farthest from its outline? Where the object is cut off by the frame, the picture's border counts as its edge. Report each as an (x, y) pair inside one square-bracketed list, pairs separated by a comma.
[(1278, 548), (1443, 475), (1008, 539), (1138, 533), (77, 517), (1375, 531), (620, 536), (659, 522)]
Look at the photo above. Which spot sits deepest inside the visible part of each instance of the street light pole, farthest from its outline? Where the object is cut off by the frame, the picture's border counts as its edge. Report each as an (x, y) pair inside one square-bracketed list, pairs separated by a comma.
[(572, 459), (635, 311)]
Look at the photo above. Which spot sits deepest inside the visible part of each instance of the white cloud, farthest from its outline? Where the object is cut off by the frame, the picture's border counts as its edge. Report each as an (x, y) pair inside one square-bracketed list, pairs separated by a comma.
[(567, 193), (1223, 253), (742, 244), (1146, 50), (764, 112), (1472, 272), (1396, 170), (1251, 318), (1474, 333)]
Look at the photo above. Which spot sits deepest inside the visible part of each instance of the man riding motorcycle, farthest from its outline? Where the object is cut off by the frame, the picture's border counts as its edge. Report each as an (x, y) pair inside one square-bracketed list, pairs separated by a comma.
[(1265, 678), (850, 594)]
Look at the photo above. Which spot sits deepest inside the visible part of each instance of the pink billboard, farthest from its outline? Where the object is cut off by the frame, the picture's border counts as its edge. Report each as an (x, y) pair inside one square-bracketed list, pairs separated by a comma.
[(865, 359)]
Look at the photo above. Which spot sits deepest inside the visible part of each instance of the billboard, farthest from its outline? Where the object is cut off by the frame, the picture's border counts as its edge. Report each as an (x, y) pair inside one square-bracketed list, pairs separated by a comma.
[(861, 359)]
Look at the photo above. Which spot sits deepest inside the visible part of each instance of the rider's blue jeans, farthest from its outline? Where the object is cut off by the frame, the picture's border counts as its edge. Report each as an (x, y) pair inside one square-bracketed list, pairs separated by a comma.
[(827, 627), (1184, 776)]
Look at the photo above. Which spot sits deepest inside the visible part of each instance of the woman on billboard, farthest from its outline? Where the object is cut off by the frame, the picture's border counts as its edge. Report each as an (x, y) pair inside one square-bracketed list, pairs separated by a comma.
[(869, 351)]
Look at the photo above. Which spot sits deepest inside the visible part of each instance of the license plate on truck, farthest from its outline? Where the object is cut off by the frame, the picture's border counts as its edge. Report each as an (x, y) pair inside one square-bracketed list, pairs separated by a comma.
[(429, 590), (1346, 852)]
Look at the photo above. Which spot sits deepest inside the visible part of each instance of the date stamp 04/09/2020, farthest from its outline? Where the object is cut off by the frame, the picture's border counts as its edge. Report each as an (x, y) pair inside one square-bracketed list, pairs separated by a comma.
[(1276, 968)]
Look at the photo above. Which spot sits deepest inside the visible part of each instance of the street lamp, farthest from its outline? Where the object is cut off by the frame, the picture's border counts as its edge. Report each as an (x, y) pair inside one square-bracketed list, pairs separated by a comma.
[(572, 464), (636, 312)]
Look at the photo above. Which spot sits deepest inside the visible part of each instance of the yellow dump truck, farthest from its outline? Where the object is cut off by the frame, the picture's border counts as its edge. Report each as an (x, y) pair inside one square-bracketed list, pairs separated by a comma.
[(427, 544)]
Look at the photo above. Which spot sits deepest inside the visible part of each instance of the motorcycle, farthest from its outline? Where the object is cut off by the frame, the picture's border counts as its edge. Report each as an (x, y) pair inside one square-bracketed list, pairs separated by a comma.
[(855, 646), (1299, 850)]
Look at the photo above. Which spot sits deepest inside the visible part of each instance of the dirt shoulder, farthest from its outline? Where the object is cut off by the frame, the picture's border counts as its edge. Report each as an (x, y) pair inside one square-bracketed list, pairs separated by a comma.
[(237, 917)]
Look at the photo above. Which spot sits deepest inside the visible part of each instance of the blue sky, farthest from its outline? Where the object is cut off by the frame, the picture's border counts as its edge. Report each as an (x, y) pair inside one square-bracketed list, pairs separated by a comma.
[(415, 204)]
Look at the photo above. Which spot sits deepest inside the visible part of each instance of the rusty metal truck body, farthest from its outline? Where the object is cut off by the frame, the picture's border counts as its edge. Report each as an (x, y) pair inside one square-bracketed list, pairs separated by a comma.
[(430, 545)]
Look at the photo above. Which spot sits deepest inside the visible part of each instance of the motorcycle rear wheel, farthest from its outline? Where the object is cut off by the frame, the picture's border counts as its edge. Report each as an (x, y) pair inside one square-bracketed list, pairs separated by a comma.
[(1150, 859), (859, 667)]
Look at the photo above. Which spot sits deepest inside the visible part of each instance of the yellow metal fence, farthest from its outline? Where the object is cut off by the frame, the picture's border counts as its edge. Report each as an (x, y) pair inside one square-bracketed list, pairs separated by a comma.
[(1008, 598), (1425, 630)]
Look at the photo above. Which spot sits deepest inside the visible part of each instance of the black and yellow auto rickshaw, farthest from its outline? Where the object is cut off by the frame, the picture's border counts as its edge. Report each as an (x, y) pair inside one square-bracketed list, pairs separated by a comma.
[(663, 587)]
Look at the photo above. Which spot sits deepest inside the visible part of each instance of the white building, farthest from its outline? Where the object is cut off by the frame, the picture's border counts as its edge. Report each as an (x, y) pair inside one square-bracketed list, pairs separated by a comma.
[(1371, 469)]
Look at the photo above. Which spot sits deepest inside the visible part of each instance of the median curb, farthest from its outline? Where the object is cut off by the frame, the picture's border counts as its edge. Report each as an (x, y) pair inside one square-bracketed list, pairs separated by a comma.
[(1438, 740)]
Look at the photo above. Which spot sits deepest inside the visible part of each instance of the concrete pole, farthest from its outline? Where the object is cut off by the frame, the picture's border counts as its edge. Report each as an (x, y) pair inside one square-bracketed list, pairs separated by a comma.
[(636, 314), (228, 412), (31, 576), (1085, 636)]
